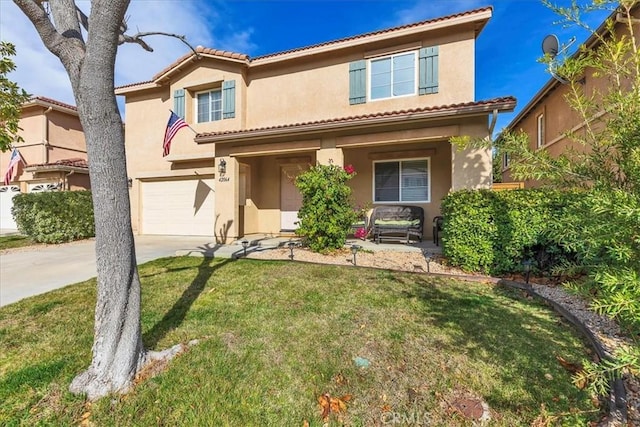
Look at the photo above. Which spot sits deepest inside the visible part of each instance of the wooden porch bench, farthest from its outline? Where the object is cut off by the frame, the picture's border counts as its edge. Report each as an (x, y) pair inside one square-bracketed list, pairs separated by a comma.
[(395, 222)]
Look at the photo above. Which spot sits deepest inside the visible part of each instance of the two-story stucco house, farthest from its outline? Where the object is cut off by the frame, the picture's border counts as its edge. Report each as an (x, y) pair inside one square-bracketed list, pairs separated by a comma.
[(386, 102), (548, 117), (53, 150)]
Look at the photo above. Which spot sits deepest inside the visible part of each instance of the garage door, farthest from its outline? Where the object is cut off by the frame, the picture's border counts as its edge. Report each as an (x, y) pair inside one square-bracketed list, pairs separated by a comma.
[(6, 203), (182, 207)]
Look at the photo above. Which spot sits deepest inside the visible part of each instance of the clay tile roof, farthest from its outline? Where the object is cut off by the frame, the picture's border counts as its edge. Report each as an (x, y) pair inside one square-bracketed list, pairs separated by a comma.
[(201, 50), (46, 100), (221, 53), (134, 84), (74, 162), (507, 103), (374, 33)]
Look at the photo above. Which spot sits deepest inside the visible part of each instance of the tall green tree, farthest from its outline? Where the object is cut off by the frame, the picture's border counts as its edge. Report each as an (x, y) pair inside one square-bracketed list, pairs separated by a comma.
[(604, 160), (11, 98)]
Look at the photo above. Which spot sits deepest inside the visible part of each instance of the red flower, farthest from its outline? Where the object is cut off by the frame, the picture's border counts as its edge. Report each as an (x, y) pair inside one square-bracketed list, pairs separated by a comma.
[(360, 233), (349, 169)]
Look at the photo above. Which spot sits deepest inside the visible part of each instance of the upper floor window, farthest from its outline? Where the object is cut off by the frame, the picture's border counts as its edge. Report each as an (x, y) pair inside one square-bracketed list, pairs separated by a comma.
[(541, 138), (401, 74), (401, 181), (505, 160), (393, 76), (209, 106)]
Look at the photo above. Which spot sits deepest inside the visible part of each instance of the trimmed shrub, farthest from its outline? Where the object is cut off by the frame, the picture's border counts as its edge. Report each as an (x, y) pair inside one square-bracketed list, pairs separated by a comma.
[(54, 217), (494, 231), (326, 214)]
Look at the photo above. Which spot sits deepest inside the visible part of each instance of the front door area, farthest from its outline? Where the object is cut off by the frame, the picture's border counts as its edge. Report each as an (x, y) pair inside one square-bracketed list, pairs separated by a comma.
[(290, 197)]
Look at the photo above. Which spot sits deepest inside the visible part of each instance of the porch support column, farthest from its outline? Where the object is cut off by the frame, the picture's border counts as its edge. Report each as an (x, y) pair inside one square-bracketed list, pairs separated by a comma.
[(227, 193), (329, 154), (470, 168)]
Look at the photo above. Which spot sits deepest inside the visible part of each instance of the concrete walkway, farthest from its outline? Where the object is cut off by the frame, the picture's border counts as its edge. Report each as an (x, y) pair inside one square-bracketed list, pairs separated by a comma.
[(27, 272)]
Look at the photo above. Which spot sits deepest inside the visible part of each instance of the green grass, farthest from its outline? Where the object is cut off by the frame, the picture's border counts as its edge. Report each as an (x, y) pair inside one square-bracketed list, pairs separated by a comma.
[(15, 241), (276, 335)]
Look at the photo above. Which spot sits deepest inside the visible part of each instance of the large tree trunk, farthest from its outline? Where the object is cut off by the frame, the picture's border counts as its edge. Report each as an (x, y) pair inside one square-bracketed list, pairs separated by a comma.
[(117, 348), (118, 353)]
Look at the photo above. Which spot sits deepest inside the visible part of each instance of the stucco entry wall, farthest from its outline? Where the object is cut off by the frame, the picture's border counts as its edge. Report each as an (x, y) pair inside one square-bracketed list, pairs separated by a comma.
[(471, 167)]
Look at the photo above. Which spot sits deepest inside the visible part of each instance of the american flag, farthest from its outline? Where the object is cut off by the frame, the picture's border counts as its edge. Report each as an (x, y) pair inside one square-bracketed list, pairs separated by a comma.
[(173, 126), (13, 161)]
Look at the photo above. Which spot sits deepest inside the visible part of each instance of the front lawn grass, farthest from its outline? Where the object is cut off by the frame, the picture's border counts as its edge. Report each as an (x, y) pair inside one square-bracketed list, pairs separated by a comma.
[(274, 336), (15, 241)]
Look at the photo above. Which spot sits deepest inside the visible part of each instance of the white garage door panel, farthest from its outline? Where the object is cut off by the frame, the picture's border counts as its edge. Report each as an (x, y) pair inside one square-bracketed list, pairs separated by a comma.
[(6, 203), (184, 207)]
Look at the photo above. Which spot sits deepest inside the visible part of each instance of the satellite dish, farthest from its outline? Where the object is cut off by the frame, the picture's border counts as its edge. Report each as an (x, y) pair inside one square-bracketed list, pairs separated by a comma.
[(550, 45)]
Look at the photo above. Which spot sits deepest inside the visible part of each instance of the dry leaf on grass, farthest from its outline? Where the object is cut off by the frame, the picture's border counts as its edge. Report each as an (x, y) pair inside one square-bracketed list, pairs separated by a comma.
[(336, 405), (571, 367)]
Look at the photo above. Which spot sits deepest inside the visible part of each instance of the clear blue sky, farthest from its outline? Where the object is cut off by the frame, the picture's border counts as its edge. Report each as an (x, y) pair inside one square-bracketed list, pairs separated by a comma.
[(507, 49)]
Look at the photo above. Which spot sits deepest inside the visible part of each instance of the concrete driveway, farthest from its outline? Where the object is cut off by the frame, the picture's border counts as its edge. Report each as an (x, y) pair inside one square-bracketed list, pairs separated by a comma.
[(27, 272)]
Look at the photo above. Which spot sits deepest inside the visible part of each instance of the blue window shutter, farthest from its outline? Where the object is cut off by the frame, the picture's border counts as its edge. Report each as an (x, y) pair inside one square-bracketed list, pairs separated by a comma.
[(228, 99), (178, 102), (428, 70), (358, 82)]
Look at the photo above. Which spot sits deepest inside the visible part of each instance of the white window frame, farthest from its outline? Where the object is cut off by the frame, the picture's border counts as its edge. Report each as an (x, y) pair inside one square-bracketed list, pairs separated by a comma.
[(540, 141), (195, 101), (415, 75), (400, 202)]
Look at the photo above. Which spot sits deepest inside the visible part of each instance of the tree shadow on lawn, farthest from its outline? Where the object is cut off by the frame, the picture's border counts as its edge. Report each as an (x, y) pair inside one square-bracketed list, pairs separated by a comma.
[(177, 313), (500, 331)]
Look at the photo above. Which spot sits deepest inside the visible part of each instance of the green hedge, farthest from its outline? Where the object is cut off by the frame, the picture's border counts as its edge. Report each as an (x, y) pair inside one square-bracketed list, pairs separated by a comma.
[(54, 217), (494, 231)]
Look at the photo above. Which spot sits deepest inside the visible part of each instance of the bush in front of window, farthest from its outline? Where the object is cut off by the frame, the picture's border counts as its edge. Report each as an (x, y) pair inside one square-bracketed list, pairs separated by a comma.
[(494, 231), (54, 217), (326, 214)]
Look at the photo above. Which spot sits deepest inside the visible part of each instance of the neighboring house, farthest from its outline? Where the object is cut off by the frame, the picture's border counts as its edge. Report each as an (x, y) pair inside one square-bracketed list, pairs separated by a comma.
[(548, 116), (386, 102), (53, 152)]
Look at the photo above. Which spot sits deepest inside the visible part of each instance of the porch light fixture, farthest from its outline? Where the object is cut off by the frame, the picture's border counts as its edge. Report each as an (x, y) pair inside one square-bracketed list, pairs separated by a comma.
[(245, 245), (130, 182), (222, 167), (526, 264), (354, 251)]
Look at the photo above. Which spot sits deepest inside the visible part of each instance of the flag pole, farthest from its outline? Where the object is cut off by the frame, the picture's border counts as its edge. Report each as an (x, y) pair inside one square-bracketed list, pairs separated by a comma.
[(194, 131)]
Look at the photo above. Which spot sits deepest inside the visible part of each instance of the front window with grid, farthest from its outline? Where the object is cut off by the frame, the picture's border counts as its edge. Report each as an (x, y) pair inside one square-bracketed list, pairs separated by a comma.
[(209, 106), (393, 76), (401, 181)]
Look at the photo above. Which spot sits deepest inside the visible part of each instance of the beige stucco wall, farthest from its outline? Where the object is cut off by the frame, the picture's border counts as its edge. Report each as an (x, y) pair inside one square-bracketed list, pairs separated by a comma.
[(303, 88), (48, 136), (65, 132), (296, 92)]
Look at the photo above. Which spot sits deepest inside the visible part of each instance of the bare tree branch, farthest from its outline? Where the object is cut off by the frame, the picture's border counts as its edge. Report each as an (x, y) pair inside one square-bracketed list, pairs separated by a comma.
[(137, 38), (48, 33)]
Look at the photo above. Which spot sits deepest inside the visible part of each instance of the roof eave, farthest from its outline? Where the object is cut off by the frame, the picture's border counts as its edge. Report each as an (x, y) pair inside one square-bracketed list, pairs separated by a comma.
[(135, 88), (158, 79), (56, 168), (313, 128), (45, 104), (482, 17)]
